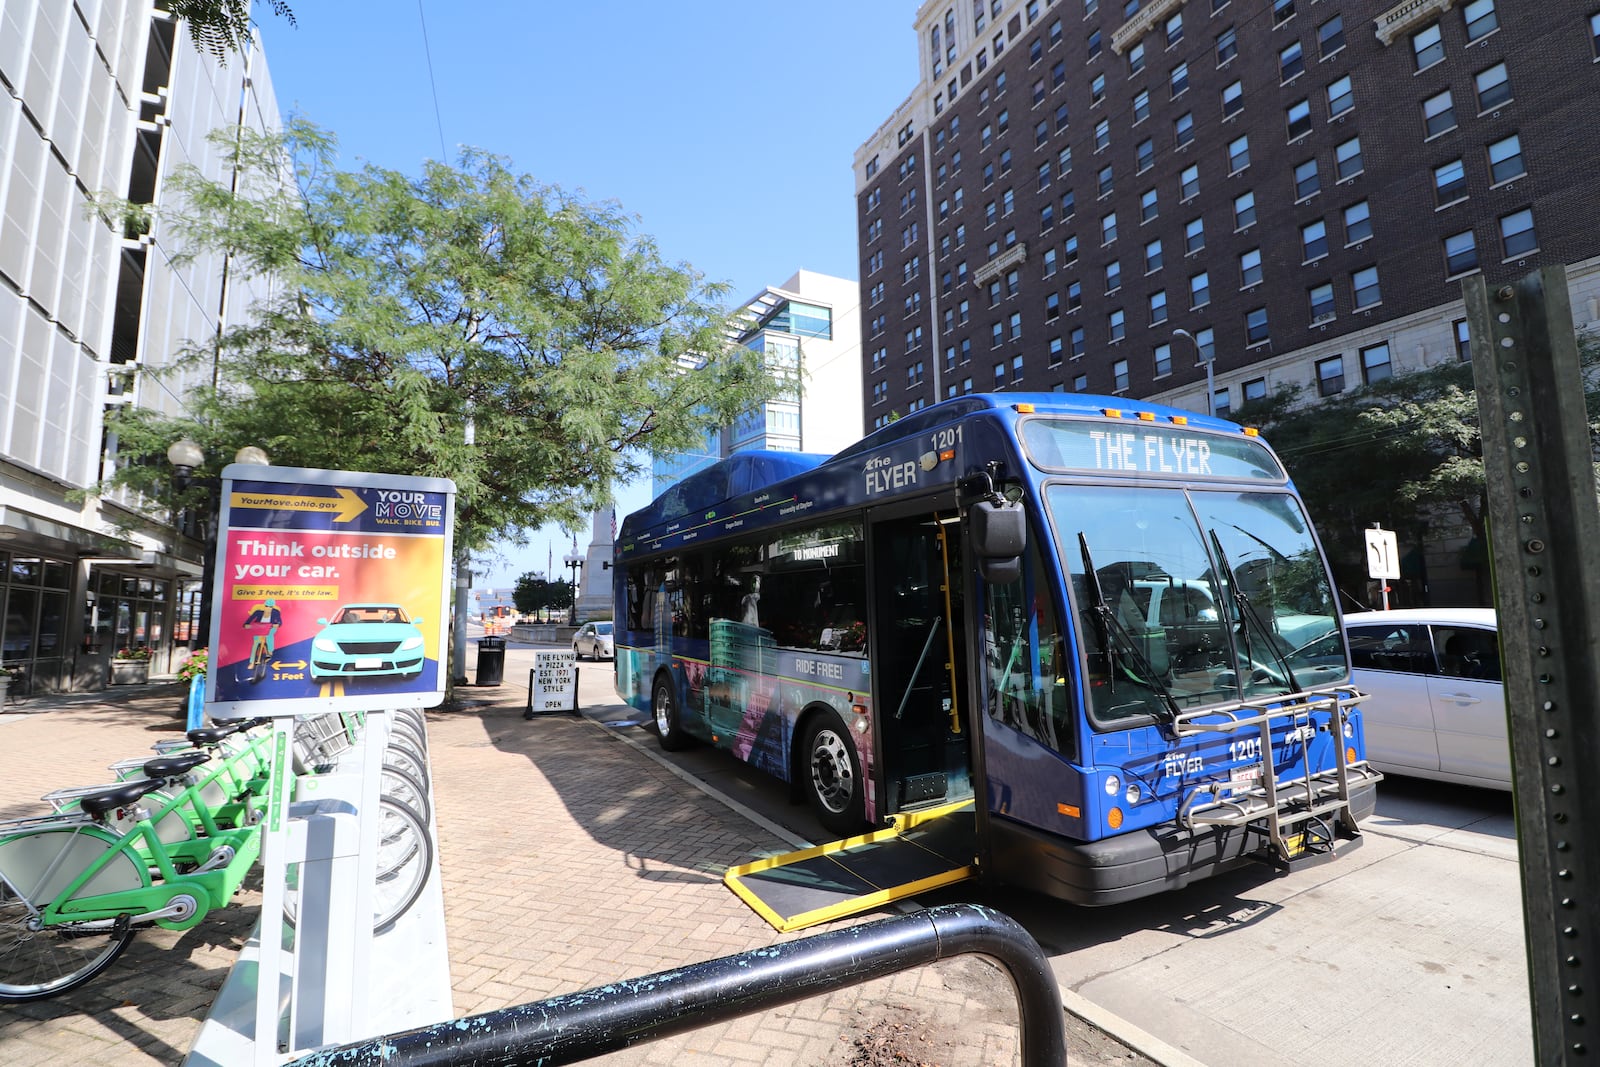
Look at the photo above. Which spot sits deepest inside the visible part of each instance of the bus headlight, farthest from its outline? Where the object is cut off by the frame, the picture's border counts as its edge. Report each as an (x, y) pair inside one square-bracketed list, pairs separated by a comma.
[(1113, 785), (1134, 794)]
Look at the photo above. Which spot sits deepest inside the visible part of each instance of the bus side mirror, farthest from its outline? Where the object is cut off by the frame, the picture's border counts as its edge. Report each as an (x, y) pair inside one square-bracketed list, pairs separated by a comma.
[(999, 533)]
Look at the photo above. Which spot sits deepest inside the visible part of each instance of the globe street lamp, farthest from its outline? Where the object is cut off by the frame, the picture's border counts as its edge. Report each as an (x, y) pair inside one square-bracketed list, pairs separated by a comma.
[(574, 561), (185, 457)]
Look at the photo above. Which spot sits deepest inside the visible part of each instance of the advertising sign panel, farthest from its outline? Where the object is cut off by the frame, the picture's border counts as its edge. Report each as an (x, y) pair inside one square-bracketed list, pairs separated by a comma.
[(330, 592), (555, 682)]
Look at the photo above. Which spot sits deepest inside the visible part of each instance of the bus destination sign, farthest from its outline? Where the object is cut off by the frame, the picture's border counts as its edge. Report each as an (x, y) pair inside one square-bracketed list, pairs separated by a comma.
[(1138, 448)]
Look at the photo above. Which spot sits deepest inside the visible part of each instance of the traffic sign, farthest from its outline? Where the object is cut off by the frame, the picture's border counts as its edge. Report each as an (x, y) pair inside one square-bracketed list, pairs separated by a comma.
[(1383, 554)]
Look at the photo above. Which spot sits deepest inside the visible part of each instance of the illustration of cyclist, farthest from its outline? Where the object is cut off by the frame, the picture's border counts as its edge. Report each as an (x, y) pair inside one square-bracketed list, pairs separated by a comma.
[(263, 622)]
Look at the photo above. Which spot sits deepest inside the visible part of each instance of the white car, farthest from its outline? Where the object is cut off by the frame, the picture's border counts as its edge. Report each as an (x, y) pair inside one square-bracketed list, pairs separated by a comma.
[(1436, 706), (594, 640)]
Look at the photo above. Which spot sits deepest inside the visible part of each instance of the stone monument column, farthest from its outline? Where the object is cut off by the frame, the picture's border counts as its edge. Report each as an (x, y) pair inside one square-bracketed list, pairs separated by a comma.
[(594, 590)]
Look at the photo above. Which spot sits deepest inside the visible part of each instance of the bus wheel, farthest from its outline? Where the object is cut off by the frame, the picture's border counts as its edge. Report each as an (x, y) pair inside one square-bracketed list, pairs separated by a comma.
[(833, 776), (664, 709)]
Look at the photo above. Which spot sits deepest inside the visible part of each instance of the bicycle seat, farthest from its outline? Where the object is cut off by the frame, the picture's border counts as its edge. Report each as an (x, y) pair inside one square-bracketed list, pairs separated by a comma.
[(175, 766), (95, 805), (210, 735)]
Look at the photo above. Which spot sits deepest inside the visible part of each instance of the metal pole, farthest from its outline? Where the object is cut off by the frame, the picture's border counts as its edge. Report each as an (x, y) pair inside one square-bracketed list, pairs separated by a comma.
[(577, 1026), (1211, 388), (1543, 526)]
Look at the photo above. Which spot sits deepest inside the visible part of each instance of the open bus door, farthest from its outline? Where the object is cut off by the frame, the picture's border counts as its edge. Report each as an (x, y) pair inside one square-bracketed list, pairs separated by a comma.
[(923, 780)]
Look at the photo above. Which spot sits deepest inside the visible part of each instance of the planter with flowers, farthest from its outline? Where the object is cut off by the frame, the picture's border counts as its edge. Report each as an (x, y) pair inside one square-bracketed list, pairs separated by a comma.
[(130, 666)]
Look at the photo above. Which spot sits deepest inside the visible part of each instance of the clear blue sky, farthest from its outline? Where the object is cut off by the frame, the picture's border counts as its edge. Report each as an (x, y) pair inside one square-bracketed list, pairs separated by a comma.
[(727, 128)]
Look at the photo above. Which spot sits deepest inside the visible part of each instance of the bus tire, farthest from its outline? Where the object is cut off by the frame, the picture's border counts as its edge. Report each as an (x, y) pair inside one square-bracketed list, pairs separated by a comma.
[(664, 712), (832, 775)]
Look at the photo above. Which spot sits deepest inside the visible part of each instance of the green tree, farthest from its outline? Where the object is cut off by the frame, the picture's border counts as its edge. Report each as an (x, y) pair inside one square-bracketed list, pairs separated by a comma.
[(221, 26), (469, 323), (1405, 452), (535, 592)]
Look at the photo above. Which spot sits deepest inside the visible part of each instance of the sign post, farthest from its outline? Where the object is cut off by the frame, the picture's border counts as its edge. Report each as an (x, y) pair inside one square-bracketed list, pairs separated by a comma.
[(1383, 558), (552, 683)]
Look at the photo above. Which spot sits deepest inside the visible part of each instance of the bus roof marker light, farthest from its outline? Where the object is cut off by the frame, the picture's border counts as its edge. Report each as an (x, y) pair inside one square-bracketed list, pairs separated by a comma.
[(1022, 409), (1179, 420), (1251, 431), (1147, 416), (1111, 413)]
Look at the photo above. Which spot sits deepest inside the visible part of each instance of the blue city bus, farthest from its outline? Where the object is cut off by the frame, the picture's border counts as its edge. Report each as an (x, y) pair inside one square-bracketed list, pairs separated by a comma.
[(1110, 622)]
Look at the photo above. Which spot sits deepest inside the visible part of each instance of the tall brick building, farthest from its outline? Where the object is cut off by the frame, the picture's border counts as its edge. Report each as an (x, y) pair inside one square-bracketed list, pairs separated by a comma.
[(1093, 195)]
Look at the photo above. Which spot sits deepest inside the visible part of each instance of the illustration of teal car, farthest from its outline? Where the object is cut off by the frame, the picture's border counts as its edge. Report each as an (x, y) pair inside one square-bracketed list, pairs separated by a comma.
[(367, 640)]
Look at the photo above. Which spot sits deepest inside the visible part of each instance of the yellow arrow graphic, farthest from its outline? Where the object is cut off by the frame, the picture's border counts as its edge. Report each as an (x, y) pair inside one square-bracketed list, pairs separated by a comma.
[(295, 663), (346, 506)]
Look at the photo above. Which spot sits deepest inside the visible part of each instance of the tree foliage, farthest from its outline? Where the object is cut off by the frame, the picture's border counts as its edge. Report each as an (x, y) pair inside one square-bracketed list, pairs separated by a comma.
[(222, 26), (1405, 452), (409, 309), (535, 592)]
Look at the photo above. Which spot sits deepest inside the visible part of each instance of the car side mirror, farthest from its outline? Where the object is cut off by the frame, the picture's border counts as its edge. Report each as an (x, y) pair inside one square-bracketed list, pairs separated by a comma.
[(417, 623), (322, 622)]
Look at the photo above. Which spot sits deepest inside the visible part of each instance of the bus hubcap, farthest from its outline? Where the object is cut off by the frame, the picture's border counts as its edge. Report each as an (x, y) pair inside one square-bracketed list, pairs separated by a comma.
[(663, 718), (831, 775)]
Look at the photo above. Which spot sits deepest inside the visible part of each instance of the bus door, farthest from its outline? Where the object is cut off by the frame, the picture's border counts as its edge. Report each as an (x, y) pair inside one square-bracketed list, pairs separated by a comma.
[(919, 673)]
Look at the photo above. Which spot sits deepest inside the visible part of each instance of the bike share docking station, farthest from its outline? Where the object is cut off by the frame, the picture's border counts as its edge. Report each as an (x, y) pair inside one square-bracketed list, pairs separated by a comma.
[(337, 572)]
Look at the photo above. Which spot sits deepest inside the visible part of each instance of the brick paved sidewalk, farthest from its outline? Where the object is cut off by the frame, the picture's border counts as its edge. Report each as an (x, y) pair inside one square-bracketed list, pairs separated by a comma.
[(569, 858)]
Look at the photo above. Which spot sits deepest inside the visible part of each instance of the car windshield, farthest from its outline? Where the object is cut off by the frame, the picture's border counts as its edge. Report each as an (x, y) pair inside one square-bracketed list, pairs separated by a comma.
[(603, 628), (1190, 598), (372, 613)]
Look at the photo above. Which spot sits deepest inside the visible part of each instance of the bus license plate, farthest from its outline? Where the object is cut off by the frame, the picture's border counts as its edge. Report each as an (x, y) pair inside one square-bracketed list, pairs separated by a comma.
[(1245, 775), (368, 664)]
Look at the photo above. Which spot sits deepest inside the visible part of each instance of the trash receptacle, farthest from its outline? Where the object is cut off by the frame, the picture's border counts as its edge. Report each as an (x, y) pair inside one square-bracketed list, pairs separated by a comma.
[(491, 660)]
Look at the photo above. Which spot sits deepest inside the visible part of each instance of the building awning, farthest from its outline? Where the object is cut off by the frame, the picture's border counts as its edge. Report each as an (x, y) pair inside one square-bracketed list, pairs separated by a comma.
[(30, 532)]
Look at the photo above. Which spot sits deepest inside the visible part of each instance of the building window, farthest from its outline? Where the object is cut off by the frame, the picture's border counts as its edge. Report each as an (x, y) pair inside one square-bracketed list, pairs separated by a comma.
[(1250, 268), (1307, 179), (1341, 97), (1047, 216), (880, 392), (1594, 34), (1163, 360), (963, 312), (914, 374), (1438, 114), (1055, 351), (1282, 11), (1255, 326), (1108, 227), (1375, 365), (1330, 376), (1097, 89), (1183, 129), (1427, 46), (1014, 326), (1135, 59), (1069, 250), (1199, 289), (1516, 233), (1158, 307), (1239, 154), (1016, 368), (1069, 204), (1194, 236), (1102, 134), (1175, 29), (1321, 297), (1291, 62), (1119, 375), (1013, 282), (1449, 183), (1505, 160), (1049, 262), (1364, 286), (1146, 155), (1254, 389), (1141, 106), (1189, 181), (1000, 375), (1077, 342), (1347, 158), (1232, 99), (997, 334), (1244, 210), (1494, 88), (1330, 36), (1178, 80), (1206, 341), (1074, 295), (1116, 325), (1105, 181), (1152, 256), (1480, 19), (1149, 205), (1094, 43), (1221, 407), (1080, 383), (1463, 341), (1460, 253), (1227, 45), (1314, 240), (1298, 118), (1357, 222)]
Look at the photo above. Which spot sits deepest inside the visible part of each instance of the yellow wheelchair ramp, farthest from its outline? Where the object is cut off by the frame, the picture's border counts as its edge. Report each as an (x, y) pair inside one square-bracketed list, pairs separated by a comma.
[(920, 851)]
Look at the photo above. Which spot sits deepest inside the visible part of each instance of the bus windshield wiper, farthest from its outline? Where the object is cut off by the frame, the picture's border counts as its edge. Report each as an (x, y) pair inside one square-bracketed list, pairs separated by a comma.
[(1247, 613), (1113, 633)]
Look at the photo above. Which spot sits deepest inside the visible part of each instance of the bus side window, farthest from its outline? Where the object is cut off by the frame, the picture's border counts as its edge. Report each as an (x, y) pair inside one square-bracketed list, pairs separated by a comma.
[(1026, 660)]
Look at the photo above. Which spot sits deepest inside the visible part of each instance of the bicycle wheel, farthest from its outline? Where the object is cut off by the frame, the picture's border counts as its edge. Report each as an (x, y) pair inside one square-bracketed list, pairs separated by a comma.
[(403, 786), (405, 858), (404, 760), (39, 962)]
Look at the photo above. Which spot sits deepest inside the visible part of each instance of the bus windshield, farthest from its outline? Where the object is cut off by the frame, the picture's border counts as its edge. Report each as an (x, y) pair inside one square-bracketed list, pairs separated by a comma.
[(1187, 598)]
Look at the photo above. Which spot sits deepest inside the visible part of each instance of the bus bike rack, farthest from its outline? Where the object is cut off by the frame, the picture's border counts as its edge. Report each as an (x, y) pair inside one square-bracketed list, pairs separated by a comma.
[(1277, 806)]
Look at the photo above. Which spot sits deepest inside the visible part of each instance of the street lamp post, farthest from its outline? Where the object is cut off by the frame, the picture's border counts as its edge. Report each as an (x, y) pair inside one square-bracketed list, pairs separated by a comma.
[(574, 561), (185, 456), (1208, 360)]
